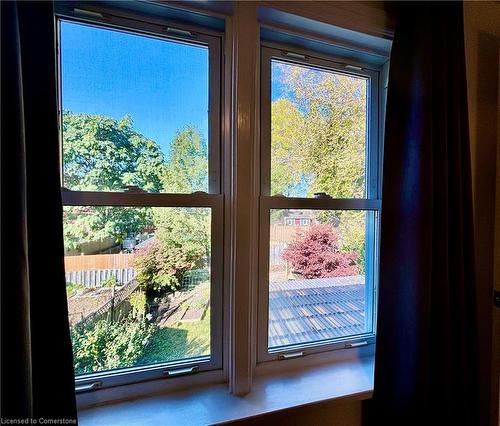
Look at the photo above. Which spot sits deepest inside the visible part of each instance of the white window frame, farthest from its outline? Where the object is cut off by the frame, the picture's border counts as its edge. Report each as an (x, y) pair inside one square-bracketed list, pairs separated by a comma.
[(372, 202), (214, 199)]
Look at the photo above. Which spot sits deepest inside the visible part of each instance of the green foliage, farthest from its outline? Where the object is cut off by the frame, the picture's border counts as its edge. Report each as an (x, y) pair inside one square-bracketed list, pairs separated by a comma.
[(159, 267), (103, 345), (185, 229), (90, 223), (102, 154), (185, 340), (286, 148), (352, 231), (187, 167), (110, 282), (72, 288), (319, 133), (138, 302)]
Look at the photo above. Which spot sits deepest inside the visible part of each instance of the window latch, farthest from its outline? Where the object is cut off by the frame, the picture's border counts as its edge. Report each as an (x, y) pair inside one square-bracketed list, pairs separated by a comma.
[(295, 55), (322, 196), (88, 13), (179, 32), (134, 189), (356, 345), (291, 356), (88, 387), (181, 371)]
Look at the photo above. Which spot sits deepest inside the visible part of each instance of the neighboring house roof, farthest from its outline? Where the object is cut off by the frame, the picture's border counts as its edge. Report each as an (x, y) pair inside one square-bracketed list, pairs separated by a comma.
[(303, 311)]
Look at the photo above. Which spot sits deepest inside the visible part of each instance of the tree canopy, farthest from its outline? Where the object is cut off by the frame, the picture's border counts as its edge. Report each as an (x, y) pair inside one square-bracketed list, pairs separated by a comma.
[(187, 167), (103, 154), (186, 172), (318, 133)]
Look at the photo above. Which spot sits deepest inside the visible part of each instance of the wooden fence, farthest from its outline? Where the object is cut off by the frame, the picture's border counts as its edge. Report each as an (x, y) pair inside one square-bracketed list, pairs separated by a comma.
[(98, 261), (285, 233)]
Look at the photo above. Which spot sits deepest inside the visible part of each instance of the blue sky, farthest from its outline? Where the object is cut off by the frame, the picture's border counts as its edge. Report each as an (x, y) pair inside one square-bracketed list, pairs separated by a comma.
[(162, 85)]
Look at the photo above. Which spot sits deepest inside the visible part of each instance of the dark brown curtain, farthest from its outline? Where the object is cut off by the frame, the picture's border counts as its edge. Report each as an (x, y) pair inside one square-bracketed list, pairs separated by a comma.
[(426, 361), (36, 363)]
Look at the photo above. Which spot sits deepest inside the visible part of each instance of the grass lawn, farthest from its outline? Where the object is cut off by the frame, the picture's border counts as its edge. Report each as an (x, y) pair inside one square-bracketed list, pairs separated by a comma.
[(186, 340)]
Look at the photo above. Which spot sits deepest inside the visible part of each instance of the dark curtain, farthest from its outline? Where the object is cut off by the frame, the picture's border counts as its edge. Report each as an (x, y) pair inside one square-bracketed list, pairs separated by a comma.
[(426, 362), (36, 364)]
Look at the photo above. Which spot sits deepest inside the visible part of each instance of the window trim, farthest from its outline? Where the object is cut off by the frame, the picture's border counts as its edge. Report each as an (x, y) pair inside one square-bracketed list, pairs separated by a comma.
[(371, 202), (213, 199), (239, 41)]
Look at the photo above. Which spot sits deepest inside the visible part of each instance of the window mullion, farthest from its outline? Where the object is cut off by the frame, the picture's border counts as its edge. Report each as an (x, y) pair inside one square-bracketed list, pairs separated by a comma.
[(244, 196)]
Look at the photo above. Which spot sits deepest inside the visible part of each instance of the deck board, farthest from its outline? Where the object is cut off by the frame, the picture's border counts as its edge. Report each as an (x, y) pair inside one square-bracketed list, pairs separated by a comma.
[(302, 311)]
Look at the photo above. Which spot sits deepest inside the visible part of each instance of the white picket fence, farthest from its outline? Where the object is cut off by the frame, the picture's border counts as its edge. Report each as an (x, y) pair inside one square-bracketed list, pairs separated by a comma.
[(93, 278)]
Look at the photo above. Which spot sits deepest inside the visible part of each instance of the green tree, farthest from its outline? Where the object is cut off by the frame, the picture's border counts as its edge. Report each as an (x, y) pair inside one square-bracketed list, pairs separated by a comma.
[(323, 125), (187, 167), (186, 172), (102, 154), (318, 135), (287, 143)]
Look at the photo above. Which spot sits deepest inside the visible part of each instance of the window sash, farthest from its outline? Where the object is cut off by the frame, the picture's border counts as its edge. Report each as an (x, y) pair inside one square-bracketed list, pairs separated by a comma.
[(372, 244), (371, 202), (372, 175), (215, 203), (161, 32), (214, 200)]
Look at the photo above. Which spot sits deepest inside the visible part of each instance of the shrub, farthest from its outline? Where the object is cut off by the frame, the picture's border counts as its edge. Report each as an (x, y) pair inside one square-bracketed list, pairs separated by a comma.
[(159, 267), (72, 288), (315, 254), (138, 302), (103, 345), (112, 281)]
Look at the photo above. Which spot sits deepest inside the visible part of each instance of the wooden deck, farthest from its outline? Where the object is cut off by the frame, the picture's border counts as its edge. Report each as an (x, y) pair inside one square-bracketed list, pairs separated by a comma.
[(302, 311)]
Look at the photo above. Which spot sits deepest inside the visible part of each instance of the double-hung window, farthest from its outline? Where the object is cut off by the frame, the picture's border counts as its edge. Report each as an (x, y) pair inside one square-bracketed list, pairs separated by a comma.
[(149, 140), (319, 204), (140, 148)]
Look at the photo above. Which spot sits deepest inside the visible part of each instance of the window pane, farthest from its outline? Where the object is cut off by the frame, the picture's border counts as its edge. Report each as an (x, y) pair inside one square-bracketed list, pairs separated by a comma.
[(319, 275), (138, 285), (135, 111), (318, 132)]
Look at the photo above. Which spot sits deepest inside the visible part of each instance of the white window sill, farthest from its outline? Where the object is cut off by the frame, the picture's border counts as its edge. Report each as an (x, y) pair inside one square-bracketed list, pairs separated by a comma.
[(212, 404)]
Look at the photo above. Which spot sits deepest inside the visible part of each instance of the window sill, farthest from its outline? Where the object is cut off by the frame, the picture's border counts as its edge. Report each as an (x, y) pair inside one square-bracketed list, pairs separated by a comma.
[(347, 380)]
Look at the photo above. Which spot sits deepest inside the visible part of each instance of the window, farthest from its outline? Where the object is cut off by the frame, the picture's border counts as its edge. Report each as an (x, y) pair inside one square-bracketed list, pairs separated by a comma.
[(153, 176), (140, 146), (319, 177)]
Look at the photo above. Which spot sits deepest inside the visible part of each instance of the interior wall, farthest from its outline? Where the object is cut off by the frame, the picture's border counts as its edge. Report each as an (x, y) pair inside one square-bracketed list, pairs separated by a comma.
[(324, 414), (482, 36)]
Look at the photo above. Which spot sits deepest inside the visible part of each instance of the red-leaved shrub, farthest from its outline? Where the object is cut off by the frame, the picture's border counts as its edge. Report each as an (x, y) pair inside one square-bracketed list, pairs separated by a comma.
[(315, 254)]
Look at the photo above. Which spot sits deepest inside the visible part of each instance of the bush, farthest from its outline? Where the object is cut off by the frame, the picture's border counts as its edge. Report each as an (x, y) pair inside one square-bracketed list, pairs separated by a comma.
[(110, 282), (315, 254), (138, 303), (159, 267), (103, 345), (72, 288)]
